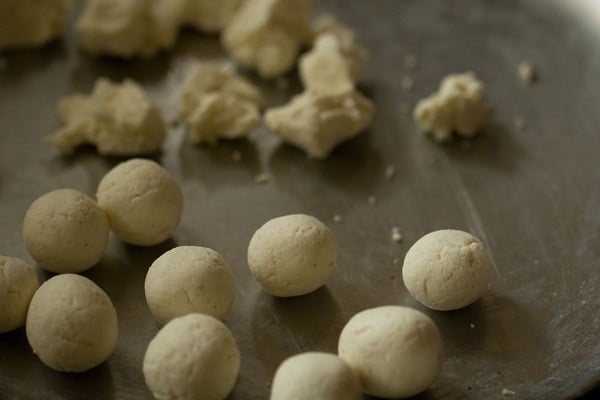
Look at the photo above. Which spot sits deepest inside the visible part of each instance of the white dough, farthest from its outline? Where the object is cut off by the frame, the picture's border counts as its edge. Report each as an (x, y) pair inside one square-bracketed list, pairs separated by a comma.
[(210, 15), (189, 279), (193, 357), (71, 324), (315, 376), (65, 231), (396, 351), (18, 282), (446, 269), (292, 255)]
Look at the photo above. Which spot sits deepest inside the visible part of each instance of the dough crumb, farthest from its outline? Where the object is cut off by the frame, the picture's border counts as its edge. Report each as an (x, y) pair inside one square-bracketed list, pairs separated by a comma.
[(472, 325), (407, 83), (390, 171), (410, 61), (261, 179), (508, 392), (395, 261), (527, 72), (337, 218), (371, 199), (396, 235)]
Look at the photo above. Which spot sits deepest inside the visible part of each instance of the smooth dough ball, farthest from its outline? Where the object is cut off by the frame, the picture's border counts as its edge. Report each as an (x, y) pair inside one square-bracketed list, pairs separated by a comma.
[(396, 351), (143, 203), (18, 282), (311, 376), (189, 279), (446, 269), (292, 255), (192, 357), (65, 231), (71, 324)]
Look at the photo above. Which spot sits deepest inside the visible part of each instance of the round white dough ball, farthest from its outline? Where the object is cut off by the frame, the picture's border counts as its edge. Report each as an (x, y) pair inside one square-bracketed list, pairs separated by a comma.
[(313, 375), (192, 357), (65, 231), (292, 255), (396, 351), (143, 203), (18, 282), (446, 269), (71, 324), (189, 279)]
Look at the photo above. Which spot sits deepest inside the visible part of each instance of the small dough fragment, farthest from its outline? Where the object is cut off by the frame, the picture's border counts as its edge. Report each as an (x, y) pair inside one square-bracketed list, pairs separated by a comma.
[(65, 231), (210, 15), (18, 282), (446, 269), (119, 119), (317, 122), (396, 351), (313, 375), (527, 72), (71, 324), (459, 106), (189, 279), (142, 202), (192, 357), (292, 255)]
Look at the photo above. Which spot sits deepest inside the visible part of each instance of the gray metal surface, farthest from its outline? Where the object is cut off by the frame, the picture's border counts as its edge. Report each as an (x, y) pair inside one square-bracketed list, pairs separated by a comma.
[(532, 195)]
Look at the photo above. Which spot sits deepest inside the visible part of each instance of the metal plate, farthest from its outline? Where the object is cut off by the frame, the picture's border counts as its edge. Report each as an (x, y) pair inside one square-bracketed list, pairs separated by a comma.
[(532, 195)]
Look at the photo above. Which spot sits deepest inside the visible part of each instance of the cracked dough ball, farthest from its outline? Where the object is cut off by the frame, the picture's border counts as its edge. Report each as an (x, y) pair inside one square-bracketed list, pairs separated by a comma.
[(189, 279), (192, 357), (18, 282), (396, 351), (446, 269), (314, 375), (65, 231), (292, 255), (71, 324), (143, 203)]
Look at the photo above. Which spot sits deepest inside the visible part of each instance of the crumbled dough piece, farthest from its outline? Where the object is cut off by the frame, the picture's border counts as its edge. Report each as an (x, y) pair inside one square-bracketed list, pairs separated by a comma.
[(317, 122), (30, 23), (267, 35), (210, 15), (527, 72), (119, 119), (458, 106), (396, 351), (508, 392), (18, 283), (262, 178), (390, 171), (396, 235), (65, 231), (71, 324), (337, 218)]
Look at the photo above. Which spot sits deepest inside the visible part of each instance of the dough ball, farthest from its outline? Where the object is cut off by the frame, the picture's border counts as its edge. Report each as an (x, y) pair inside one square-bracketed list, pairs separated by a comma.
[(446, 269), (292, 255), (192, 357), (143, 203), (71, 324), (311, 376), (395, 351), (18, 282), (189, 279), (65, 231)]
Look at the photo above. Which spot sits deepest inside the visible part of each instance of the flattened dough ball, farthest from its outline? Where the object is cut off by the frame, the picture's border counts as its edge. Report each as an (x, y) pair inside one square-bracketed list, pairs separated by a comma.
[(192, 357), (65, 231), (18, 282), (143, 203), (313, 375), (189, 279), (292, 255), (446, 269), (71, 324), (396, 351)]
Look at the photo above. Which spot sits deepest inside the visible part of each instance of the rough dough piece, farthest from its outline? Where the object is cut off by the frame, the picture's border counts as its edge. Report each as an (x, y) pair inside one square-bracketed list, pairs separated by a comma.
[(65, 231), (189, 279), (71, 324), (396, 351), (446, 269), (192, 357), (292, 255), (267, 35), (30, 23), (310, 376), (143, 203), (317, 122), (210, 15), (18, 282), (119, 119), (459, 106)]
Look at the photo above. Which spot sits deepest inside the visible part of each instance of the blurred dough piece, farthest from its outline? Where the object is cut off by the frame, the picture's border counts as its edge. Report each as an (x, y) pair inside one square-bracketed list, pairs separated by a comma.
[(18, 282), (210, 15)]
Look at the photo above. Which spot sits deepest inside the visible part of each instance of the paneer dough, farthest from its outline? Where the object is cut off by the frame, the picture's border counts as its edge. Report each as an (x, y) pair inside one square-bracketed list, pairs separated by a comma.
[(18, 283), (119, 119), (210, 15), (30, 23)]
